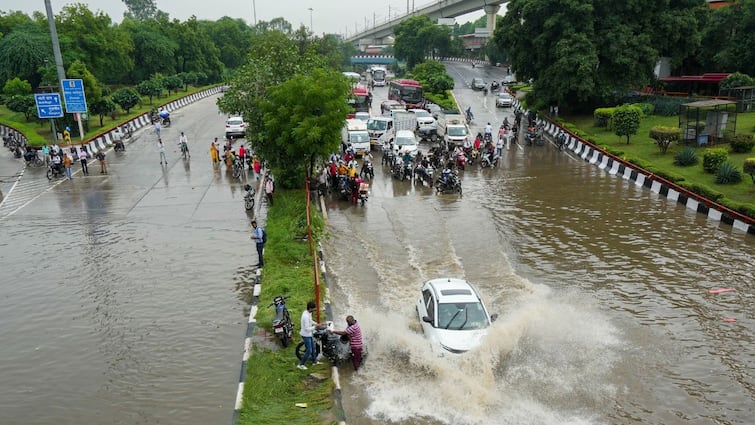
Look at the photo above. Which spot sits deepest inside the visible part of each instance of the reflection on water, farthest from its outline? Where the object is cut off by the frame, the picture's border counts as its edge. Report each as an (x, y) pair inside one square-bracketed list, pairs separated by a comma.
[(601, 286)]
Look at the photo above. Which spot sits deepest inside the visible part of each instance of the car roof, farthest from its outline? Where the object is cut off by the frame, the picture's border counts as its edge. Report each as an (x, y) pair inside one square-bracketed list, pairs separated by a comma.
[(450, 290)]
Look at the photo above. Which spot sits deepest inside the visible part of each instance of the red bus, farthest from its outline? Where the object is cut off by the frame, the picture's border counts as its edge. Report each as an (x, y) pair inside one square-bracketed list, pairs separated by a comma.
[(359, 99), (408, 92)]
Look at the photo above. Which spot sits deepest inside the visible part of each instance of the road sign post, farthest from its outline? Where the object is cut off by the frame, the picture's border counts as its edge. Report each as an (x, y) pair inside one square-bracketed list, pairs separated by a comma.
[(48, 106), (76, 102)]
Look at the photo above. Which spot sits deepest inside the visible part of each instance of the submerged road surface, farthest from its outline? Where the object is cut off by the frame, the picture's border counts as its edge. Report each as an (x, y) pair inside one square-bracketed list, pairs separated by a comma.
[(601, 286)]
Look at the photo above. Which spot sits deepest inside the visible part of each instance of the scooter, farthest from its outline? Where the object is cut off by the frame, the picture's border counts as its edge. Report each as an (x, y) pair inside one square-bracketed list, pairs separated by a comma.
[(333, 347), (283, 328), (249, 197)]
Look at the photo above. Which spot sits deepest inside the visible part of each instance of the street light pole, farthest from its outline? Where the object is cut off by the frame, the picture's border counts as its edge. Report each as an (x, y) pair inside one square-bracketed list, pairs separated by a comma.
[(58, 61), (310, 20)]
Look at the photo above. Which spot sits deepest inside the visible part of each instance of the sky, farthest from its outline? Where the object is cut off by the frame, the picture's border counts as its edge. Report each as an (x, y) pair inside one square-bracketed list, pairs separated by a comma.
[(330, 16)]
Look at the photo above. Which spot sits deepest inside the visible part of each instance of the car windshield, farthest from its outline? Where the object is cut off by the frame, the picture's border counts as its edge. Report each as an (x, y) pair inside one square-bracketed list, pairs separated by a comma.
[(504, 96), (235, 122), (405, 141), (359, 137), (457, 131), (378, 125), (461, 316)]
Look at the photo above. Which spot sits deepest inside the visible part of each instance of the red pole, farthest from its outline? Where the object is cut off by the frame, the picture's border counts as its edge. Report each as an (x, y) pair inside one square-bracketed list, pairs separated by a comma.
[(312, 251)]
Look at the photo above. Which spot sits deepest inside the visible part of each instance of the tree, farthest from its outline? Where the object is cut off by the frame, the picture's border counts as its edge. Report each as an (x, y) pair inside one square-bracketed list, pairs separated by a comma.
[(626, 120), (102, 107), (303, 118), (16, 86), (736, 79), (92, 87), (230, 36), (417, 37), (433, 76), (22, 52), (126, 98), (173, 83), (142, 10), (664, 136), (586, 53), (150, 88), (23, 104), (153, 50), (727, 41)]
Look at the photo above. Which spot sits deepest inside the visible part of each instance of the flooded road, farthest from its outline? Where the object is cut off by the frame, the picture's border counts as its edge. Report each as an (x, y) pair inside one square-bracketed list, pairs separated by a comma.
[(601, 286), (123, 295)]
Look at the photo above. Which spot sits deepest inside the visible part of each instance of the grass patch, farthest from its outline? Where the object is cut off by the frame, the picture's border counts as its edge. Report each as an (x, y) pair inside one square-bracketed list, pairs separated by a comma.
[(273, 384), (643, 151), (39, 132)]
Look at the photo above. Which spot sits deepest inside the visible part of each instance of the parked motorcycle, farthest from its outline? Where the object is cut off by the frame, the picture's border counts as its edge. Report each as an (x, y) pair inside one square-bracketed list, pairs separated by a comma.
[(249, 197), (333, 347), (283, 328), (118, 146)]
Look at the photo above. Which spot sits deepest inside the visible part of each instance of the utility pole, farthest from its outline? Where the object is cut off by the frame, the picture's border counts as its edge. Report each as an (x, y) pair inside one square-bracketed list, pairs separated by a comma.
[(58, 62), (254, 7), (310, 20)]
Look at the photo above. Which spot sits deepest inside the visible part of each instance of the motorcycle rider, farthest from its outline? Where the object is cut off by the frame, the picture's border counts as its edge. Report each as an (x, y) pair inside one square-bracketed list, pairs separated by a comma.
[(470, 115), (354, 332), (165, 116), (488, 132), (183, 143)]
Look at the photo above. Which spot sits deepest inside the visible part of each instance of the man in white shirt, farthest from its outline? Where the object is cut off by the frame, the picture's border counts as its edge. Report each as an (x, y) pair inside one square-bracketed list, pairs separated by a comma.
[(307, 329)]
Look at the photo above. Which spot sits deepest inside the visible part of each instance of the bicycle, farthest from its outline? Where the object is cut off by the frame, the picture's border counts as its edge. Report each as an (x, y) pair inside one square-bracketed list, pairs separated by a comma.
[(185, 150)]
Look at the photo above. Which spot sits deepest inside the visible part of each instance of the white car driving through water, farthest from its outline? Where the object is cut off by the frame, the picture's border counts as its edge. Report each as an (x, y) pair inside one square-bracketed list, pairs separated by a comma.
[(452, 314)]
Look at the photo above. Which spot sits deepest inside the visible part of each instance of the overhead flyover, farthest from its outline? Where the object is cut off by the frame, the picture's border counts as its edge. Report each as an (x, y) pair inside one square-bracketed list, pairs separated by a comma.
[(440, 9)]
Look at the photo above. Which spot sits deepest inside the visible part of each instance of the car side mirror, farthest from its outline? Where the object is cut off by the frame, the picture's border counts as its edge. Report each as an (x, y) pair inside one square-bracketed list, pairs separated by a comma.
[(493, 317), (427, 319)]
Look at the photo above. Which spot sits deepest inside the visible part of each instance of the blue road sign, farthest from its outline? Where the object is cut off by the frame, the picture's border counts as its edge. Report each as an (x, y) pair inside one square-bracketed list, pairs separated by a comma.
[(73, 93), (48, 105)]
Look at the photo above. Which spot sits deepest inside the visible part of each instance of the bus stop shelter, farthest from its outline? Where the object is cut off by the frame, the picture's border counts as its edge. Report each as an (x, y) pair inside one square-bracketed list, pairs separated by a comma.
[(706, 122)]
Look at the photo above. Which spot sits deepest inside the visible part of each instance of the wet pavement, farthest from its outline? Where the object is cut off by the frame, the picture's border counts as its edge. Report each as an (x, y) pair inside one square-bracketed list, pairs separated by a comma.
[(123, 295), (601, 286)]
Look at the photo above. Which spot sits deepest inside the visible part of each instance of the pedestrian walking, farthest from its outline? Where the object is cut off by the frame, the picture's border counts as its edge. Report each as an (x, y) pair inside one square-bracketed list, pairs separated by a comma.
[(46, 153), (158, 127), (161, 148), (83, 158), (307, 328), (214, 153), (67, 163), (103, 161), (269, 189), (257, 167), (259, 236)]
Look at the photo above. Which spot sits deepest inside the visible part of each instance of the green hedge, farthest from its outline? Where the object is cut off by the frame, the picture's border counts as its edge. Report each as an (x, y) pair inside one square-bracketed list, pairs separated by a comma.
[(603, 116)]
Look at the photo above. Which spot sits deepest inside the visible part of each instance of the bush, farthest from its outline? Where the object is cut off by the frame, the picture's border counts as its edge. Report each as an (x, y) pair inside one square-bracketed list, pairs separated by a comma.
[(701, 190), (646, 108), (713, 158), (741, 143), (686, 157), (664, 136), (672, 177), (625, 120), (728, 173), (667, 106), (749, 168), (603, 116)]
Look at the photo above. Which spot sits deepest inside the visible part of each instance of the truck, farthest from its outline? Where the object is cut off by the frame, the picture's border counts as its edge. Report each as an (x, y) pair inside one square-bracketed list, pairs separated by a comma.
[(452, 126), (377, 126), (402, 120), (356, 137)]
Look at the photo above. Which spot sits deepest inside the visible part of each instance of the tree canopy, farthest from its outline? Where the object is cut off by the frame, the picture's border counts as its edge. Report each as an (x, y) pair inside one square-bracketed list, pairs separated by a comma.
[(418, 37), (588, 52)]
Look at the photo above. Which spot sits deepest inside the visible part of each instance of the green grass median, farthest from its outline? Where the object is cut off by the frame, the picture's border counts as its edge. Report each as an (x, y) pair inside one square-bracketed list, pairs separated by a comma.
[(643, 151), (273, 385)]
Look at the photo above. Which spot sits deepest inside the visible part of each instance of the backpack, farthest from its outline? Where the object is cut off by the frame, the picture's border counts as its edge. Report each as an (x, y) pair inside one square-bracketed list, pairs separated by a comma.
[(264, 236)]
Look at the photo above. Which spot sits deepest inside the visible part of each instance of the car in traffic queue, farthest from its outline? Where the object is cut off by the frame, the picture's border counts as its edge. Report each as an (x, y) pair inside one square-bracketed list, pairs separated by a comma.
[(405, 141), (478, 83), (235, 127), (356, 137), (504, 100), (427, 126), (390, 105), (452, 315)]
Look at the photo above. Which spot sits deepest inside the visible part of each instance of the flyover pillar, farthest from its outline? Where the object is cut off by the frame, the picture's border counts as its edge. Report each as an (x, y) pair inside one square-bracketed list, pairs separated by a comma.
[(491, 11)]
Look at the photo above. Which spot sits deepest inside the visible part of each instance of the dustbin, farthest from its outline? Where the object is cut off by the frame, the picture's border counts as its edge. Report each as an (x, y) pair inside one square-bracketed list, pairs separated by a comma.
[(702, 139)]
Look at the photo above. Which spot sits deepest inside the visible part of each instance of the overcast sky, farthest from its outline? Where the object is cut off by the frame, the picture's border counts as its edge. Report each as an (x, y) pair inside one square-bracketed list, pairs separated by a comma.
[(331, 16)]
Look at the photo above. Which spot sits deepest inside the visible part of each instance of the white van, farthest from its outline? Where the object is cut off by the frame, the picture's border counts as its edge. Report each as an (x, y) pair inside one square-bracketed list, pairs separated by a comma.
[(355, 135)]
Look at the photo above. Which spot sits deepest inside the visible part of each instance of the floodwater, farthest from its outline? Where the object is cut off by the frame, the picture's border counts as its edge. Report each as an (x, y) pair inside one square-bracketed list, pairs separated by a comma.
[(123, 296), (601, 286)]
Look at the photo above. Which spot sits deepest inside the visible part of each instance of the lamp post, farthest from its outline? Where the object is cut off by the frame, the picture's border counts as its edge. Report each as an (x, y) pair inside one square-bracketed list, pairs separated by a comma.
[(310, 20)]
